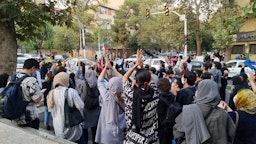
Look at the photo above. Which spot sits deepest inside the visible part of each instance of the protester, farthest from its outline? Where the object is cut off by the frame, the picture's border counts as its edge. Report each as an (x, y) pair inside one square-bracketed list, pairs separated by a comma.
[(153, 74), (186, 95), (237, 85), (47, 85), (224, 81), (244, 117), (112, 118), (204, 122), (216, 72), (165, 129), (141, 106), (91, 115), (32, 94), (206, 67), (56, 101)]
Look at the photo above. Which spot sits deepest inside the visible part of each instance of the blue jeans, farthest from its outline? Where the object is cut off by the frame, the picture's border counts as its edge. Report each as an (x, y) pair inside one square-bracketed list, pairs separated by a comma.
[(46, 116)]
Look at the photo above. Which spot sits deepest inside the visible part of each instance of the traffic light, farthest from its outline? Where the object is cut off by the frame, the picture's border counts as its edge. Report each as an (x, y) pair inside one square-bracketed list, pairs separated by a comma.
[(166, 10), (186, 39), (147, 13)]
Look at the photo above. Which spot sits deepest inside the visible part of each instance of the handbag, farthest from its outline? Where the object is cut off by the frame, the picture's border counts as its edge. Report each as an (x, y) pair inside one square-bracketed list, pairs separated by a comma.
[(72, 115)]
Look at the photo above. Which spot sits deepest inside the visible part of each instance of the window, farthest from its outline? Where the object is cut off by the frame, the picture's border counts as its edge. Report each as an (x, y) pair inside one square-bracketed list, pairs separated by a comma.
[(231, 64), (238, 49), (252, 48)]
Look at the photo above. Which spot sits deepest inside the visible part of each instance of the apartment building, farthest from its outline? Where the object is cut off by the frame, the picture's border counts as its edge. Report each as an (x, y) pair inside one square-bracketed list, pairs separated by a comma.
[(246, 39)]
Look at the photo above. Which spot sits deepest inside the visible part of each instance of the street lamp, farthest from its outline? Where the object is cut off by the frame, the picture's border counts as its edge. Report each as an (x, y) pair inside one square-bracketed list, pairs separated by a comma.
[(81, 35), (183, 18)]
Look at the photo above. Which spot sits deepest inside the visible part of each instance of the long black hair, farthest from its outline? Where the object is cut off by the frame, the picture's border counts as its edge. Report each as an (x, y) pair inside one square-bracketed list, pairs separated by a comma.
[(141, 91)]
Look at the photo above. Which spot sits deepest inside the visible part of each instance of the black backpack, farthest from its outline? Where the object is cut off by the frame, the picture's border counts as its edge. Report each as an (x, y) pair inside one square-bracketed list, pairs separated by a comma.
[(172, 111), (92, 97), (12, 104)]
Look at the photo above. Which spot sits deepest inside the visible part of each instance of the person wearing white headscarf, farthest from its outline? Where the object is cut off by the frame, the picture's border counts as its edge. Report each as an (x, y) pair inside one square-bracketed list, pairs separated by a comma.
[(110, 129), (204, 122), (56, 101)]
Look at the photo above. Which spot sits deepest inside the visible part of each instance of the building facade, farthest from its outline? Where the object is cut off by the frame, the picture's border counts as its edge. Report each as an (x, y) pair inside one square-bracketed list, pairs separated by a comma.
[(245, 40)]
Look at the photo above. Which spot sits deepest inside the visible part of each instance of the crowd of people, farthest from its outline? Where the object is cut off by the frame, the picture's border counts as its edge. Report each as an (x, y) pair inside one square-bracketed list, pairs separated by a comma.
[(139, 104)]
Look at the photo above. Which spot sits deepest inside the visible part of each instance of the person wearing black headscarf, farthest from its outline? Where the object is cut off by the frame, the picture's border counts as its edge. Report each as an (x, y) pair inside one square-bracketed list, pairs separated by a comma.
[(237, 85)]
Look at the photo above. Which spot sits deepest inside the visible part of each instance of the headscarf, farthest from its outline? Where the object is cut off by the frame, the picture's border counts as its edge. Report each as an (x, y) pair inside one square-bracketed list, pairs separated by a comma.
[(245, 100), (91, 78), (115, 85), (207, 96), (193, 117), (62, 79)]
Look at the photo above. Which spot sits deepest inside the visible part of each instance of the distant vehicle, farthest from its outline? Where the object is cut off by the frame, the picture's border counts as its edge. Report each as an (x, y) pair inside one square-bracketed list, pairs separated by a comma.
[(196, 65), (20, 63), (235, 66), (155, 63), (60, 56), (20, 55), (74, 63)]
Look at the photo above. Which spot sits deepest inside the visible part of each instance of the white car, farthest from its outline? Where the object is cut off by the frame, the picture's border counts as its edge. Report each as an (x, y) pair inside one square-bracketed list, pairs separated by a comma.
[(155, 62), (235, 66), (134, 58), (20, 63), (74, 61)]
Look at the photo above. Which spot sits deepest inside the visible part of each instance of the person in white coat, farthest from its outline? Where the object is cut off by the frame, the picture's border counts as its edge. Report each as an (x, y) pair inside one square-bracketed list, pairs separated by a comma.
[(56, 101)]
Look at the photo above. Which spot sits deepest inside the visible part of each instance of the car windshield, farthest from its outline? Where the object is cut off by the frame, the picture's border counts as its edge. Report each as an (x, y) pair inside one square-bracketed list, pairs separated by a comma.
[(231, 64)]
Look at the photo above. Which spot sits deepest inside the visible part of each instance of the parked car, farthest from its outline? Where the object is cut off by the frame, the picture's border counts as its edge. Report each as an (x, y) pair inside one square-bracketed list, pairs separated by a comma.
[(60, 57), (155, 63), (20, 63), (74, 63), (196, 65), (235, 66)]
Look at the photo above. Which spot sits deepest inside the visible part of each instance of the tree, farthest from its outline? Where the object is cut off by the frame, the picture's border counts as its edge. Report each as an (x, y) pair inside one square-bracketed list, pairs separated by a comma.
[(66, 39), (250, 10), (20, 20), (126, 20), (226, 22), (42, 40)]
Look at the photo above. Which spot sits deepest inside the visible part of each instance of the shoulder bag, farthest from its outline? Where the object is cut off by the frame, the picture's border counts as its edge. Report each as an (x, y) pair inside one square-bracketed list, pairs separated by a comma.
[(72, 115)]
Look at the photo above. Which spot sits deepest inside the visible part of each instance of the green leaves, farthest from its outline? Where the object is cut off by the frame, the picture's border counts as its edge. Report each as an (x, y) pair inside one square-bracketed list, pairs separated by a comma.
[(28, 16), (250, 10)]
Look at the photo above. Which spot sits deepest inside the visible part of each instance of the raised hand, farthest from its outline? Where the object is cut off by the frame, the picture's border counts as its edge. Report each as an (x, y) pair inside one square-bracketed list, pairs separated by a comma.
[(139, 57)]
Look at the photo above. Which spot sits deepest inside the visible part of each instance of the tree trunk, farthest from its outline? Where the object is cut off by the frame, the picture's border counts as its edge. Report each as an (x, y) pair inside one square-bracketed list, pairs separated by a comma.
[(8, 49), (197, 33), (227, 54)]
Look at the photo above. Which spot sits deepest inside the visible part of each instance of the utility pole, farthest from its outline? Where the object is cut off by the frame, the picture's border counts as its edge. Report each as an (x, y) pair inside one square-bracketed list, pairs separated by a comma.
[(182, 18)]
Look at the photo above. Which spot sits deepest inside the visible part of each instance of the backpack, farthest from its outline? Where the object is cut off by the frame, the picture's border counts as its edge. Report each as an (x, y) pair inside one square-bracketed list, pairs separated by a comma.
[(12, 104), (172, 111), (91, 100)]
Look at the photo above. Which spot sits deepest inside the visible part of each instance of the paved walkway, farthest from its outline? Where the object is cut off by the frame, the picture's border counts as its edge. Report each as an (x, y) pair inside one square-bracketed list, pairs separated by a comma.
[(11, 134)]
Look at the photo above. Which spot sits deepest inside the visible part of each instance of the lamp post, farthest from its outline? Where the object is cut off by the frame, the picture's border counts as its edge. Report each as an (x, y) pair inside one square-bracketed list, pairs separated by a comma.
[(81, 35), (182, 18)]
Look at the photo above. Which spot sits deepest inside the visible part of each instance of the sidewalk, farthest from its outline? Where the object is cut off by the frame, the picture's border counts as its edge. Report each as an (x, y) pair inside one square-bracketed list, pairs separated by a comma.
[(11, 134)]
